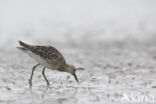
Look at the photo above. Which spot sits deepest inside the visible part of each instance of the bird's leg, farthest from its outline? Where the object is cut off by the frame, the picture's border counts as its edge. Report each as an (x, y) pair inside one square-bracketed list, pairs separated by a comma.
[(30, 80), (45, 76)]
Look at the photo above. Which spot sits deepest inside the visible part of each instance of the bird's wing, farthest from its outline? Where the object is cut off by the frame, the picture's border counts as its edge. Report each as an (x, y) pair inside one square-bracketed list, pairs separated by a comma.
[(46, 52)]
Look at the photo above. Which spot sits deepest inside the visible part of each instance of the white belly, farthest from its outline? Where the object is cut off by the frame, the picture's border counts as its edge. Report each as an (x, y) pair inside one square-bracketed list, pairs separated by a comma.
[(42, 61)]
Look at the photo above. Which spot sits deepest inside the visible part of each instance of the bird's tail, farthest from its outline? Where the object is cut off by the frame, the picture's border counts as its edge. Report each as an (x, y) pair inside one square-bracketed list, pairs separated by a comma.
[(24, 45), (22, 49)]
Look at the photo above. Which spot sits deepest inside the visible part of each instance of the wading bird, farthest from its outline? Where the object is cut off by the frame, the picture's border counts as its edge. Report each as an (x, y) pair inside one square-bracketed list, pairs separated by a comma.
[(49, 57)]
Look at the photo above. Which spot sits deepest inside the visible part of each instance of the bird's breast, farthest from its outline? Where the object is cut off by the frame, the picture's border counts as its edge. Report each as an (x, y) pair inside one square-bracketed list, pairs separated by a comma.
[(45, 62)]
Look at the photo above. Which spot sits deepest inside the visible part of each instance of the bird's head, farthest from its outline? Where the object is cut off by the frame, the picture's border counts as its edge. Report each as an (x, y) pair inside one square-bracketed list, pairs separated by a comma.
[(72, 70)]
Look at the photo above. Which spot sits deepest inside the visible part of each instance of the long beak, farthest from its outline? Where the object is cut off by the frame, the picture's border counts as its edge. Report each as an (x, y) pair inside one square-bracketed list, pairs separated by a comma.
[(76, 77)]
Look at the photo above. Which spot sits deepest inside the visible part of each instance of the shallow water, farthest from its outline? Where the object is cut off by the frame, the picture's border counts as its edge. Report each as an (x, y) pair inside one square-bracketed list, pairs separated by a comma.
[(111, 70)]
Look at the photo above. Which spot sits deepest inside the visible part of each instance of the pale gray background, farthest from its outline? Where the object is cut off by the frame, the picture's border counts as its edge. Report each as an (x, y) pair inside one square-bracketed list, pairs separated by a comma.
[(114, 40), (59, 20)]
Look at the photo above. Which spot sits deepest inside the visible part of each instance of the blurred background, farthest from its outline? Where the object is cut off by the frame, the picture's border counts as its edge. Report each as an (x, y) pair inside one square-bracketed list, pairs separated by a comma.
[(113, 40), (78, 20)]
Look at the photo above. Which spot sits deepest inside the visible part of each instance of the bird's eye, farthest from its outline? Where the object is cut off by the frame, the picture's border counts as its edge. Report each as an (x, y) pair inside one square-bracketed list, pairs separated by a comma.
[(74, 69)]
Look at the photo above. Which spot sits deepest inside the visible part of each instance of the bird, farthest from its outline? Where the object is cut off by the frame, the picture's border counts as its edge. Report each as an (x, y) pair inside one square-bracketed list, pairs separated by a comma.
[(48, 57)]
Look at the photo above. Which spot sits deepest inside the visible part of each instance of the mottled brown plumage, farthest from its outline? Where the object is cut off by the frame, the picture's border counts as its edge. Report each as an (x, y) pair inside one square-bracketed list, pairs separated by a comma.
[(47, 52), (49, 57), (51, 52)]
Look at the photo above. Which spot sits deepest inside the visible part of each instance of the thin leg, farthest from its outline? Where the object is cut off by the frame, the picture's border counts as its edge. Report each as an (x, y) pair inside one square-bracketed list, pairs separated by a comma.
[(30, 80), (45, 76)]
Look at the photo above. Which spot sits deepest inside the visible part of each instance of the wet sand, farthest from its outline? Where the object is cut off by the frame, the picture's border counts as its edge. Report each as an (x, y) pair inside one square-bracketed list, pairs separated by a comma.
[(112, 69)]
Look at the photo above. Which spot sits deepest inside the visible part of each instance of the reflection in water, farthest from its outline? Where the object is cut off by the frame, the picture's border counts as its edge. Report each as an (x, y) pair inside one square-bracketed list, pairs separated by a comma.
[(70, 97), (49, 95), (43, 95), (34, 95)]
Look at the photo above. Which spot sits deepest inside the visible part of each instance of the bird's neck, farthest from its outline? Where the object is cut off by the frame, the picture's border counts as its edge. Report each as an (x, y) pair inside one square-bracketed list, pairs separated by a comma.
[(63, 67)]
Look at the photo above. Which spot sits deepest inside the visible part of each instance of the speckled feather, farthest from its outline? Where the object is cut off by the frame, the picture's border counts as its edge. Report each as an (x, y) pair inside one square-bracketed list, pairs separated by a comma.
[(46, 52)]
